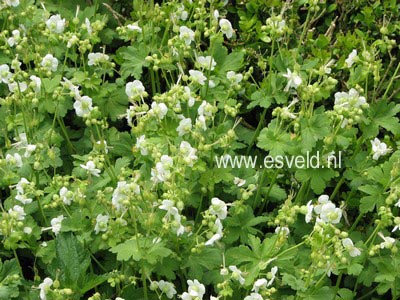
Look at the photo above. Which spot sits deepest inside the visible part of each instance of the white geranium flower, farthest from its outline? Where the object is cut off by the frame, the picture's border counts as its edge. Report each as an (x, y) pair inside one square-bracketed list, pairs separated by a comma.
[(66, 196), (55, 24), (14, 159), (218, 208), (274, 270), (239, 182), (135, 89), (388, 241), (162, 172), (310, 208), (197, 77), (254, 296), (234, 78), (379, 149), (167, 288), (218, 234), (352, 99), (5, 73), (169, 207), (101, 223), (205, 109), (14, 40), (188, 152), (17, 86), (282, 230), (201, 123), (185, 125), (36, 83), (50, 63), (323, 199), (45, 287), (226, 28), (330, 213), (91, 168), (29, 149), (17, 213), (134, 27), (186, 34), (83, 106), (23, 199), (141, 144), (191, 99), (196, 289), (294, 80), (260, 284), (351, 58), (159, 109), (88, 26), (56, 224), (27, 230), (349, 246), (237, 274), (206, 62), (97, 58)]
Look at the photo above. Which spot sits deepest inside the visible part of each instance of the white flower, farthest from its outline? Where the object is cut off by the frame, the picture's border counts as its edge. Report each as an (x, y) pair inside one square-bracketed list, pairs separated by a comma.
[(282, 230), (191, 99), (188, 152), (237, 274), (162, 172), (169, 207), (14, 40), (97, 58), (206, 62), (14, 159), (352, 99), (83, 106), (239, 182), (50, 63), (159, 109), (101, 223), (91, 168), (327, 67), (17, 86), (388, 241), (88, 26), (205, 109), (23, 199), (36, 83), (186, 34), (66, 196), (398, 203), (167, 288), (5, 73), (55, 24), (29, 149), (121, 194), (274, 270), (218, 234), (45, 287), (226, 27), (218, 208), (134, 89), (351, 58), (196, 289), (294, 80), (201, 123), (310, 208), (185, 125), (134, 27), (56, 224), (349, 246), (74, 89), (254, 296), (234, 78), (197, 76), (330, 213), (260, 284), (27, 230), (72, 40), (141, 144), (323, 199), (379, 149), (17, 213)]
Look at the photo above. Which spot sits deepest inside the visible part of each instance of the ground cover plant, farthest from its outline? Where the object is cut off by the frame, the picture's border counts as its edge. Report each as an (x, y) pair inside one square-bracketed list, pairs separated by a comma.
[(135, 135)]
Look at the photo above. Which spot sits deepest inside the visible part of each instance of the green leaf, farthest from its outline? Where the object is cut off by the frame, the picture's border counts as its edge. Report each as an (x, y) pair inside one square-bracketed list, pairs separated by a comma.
[(345, 294), (73, 259), (133, 60), (274, 140), (313, 129), (295, 283), (324, 293), (127, 250), (318, 177), (354, 269)]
